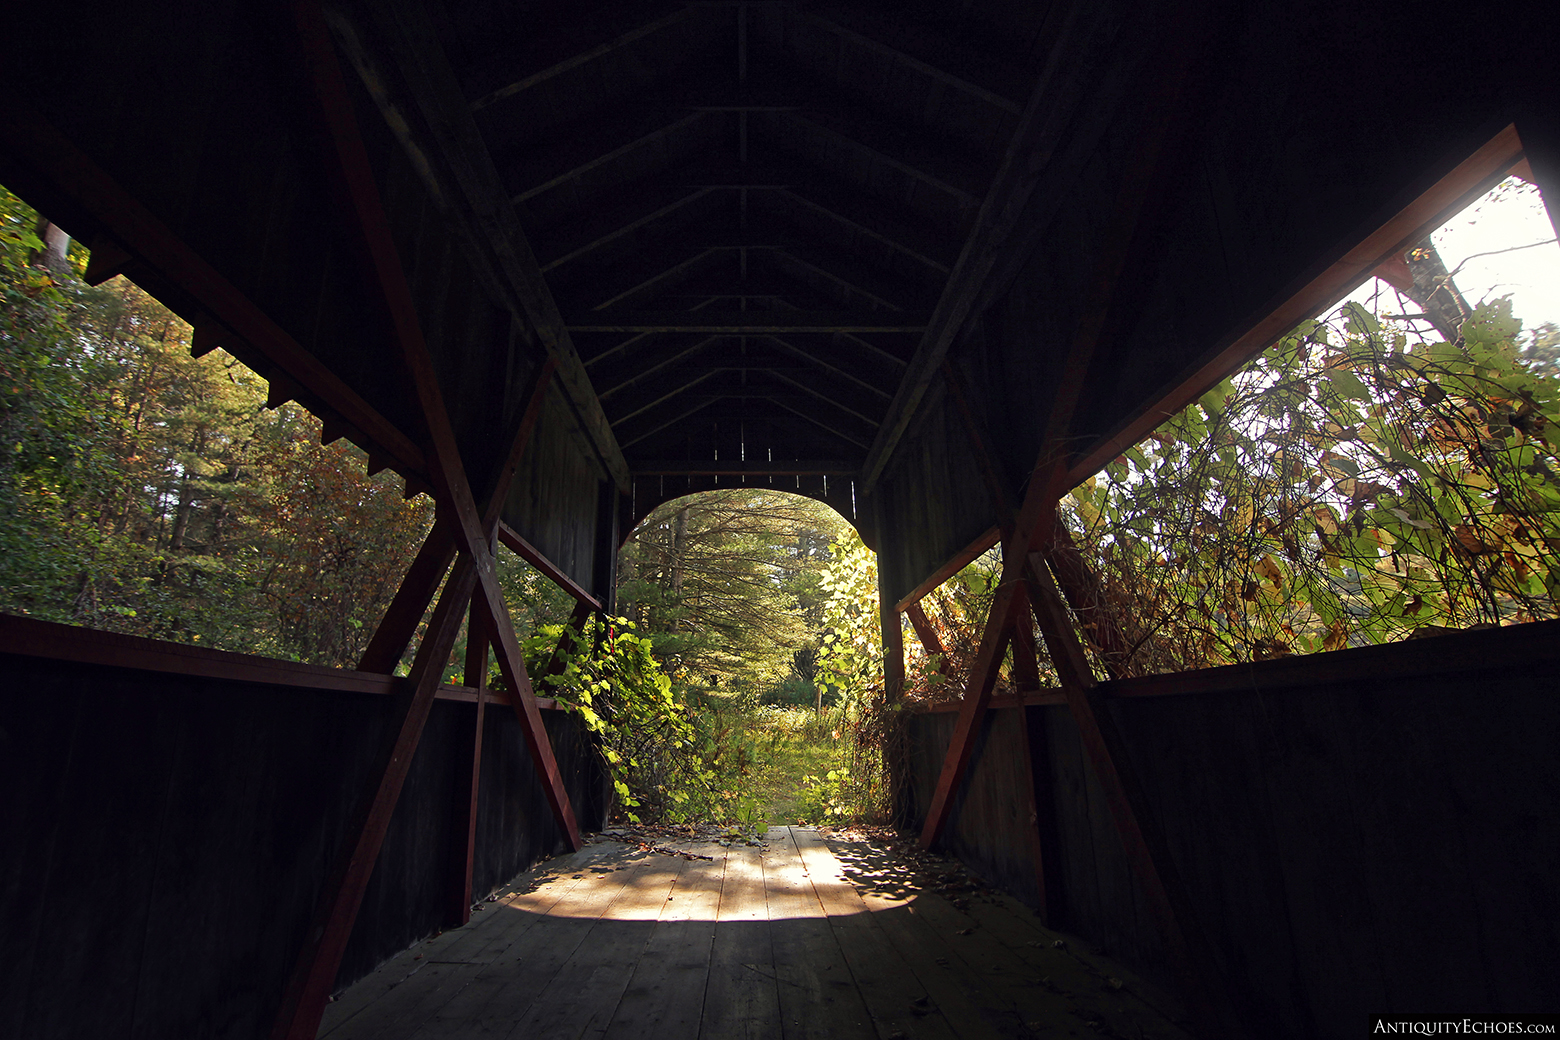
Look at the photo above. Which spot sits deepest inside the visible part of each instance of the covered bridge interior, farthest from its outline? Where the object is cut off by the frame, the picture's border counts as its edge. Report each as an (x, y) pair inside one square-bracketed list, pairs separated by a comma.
[(933, 264)]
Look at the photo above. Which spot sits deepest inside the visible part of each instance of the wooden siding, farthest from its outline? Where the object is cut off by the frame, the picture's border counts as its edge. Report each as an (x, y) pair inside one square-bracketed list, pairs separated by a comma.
[(1349, 844), (176, 830)]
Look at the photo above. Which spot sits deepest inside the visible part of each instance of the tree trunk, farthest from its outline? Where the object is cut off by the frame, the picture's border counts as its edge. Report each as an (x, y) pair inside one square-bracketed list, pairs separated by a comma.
[(1435, 292)]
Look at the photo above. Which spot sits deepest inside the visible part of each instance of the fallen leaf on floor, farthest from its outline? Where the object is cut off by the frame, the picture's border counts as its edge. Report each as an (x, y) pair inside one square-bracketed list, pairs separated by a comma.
[(965, 931)]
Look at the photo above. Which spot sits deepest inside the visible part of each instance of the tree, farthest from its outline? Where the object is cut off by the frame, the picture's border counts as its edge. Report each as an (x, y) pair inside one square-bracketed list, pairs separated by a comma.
[(726, 583)]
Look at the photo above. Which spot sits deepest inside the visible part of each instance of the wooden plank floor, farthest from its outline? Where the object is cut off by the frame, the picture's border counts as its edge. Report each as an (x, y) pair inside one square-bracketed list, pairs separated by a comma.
[(782, 941)]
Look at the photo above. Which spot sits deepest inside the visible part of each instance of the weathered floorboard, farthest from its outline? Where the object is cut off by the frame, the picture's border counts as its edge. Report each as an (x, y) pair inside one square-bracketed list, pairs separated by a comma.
[(778, 939)]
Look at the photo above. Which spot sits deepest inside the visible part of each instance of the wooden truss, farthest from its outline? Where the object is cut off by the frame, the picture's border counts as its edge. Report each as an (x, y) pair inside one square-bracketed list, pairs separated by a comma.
[(463, 532)]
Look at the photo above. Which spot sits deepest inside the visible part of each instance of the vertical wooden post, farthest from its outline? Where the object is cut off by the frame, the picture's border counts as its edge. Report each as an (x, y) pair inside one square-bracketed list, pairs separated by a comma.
[(397, 627), (303, 1002), (468, 777), (893, 651)]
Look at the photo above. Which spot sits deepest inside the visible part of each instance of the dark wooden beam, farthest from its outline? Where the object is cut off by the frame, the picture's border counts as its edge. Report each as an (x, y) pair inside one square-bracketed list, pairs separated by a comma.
[(953, 565), (740, 323), (468, 778), (647, 275), (568, 639), (395, 630), (30, 637), (858, 286), (586, 151), (893, 635), (645, 369), (777, 468), (605, 227), (855, 39), (154, 243), (417, 590), (476, 196), (574, 61), (1357, 258), (826, 427), (677, 390), (1147, 851), (348, 167), (947, 179), (870, 219), (931, 642), (832, 369), (828, 399), (314, 972), (1042, 127), (511, 538)]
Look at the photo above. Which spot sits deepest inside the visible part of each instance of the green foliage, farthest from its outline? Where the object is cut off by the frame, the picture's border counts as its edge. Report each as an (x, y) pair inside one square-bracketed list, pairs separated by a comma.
[(1352, 485), (146, 491), (851, 659), (727, 584)]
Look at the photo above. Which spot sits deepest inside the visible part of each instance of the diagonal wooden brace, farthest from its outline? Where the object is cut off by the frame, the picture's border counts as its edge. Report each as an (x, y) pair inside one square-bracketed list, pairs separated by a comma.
[(354, 179), (315, 971), (1146, 849)]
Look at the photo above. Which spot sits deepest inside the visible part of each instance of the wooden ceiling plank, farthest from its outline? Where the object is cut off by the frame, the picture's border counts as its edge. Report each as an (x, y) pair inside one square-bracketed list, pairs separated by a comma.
[(481, 197), (600, 159), (738, 323), (893, 236), (628, 39), (850, 285), (679, 269), (830, 368), (644, 373), (825, 398), (1057, 94), (938, 181), (681, 389), (822, 425), (904, 60), (597, 237)]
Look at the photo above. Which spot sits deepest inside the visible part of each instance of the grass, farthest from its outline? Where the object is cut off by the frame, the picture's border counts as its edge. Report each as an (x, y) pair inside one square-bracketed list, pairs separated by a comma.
[(791, 744)]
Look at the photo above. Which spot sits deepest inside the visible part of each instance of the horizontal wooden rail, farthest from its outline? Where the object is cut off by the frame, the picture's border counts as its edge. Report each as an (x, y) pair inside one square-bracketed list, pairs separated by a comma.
[(1485, 650), (530, 554), (29, 637)]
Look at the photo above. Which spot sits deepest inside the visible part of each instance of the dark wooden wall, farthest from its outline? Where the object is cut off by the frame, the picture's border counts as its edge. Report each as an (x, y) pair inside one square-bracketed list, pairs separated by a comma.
[(164, 838), (934, 501), (1352, 845), (990, 825)]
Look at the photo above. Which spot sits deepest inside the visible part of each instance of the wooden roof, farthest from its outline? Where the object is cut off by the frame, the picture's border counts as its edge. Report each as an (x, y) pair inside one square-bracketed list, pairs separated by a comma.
[(761, 240)]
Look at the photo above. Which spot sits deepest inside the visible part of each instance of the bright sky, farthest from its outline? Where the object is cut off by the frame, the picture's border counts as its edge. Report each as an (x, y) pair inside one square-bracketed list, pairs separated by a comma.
[(1511, 214)]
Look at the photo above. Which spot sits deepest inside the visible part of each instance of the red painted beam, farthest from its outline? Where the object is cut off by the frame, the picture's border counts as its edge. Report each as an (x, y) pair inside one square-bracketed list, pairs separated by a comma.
[(532, 555), (314, 973), (30, 637), (468, 778), (931, 642), (953, 565), (349, 168)]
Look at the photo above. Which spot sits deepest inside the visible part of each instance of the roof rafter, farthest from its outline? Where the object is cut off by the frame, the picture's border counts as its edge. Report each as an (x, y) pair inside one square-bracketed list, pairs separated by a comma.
[(629, 38), (614, 227), (827, 367), (1041, 130), (477, 197)]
